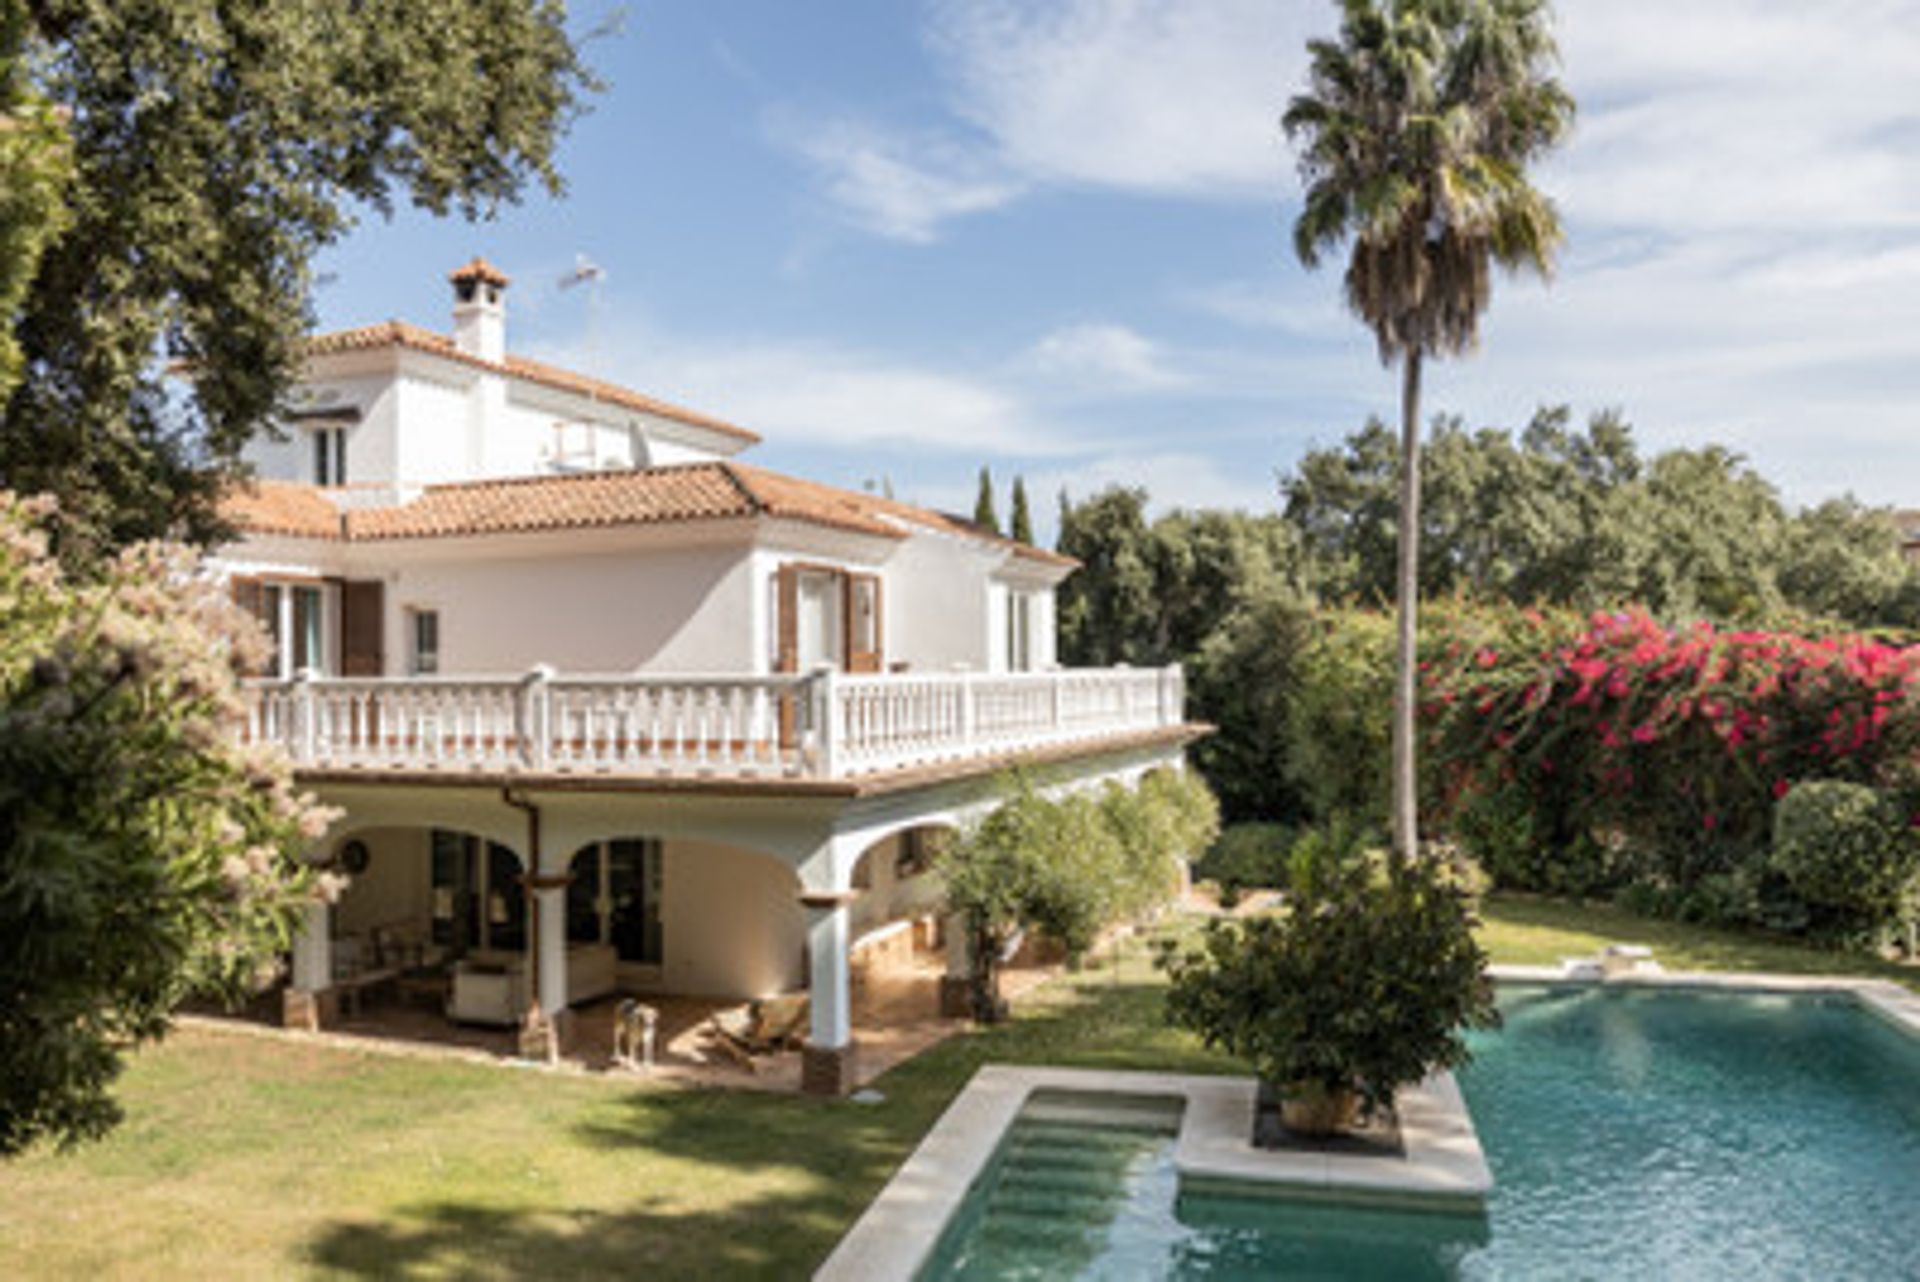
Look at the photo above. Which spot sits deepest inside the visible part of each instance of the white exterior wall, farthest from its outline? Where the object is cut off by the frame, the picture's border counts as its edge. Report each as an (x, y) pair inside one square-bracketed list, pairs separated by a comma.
[(938, 612), (731, 922), (658, 610), (370, 442), (396, 887), (433, 443), (888, 896), (666, 452)]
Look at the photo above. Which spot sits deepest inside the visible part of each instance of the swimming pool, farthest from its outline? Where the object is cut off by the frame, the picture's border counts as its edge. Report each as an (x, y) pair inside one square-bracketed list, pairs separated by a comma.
[(1639, 1132)]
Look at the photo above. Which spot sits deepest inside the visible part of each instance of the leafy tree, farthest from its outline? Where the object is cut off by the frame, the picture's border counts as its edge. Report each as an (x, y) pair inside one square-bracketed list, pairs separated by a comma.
[(1336, 738), (1069, 867), (1153, 593), (1244, 680), (1107, 607), (1020, 521), (985, 515), (1417, 129), (1557, 516), (34, 166), (1843, 561), (144, 855), (217, 145)]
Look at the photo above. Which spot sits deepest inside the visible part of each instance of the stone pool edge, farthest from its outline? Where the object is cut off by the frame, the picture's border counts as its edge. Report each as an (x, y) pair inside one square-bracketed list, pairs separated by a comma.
[(1893, 1003), (1443, 1168)]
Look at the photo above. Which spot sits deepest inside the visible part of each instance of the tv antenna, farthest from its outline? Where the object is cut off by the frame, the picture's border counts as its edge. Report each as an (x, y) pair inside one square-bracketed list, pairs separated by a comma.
[(593, 276)]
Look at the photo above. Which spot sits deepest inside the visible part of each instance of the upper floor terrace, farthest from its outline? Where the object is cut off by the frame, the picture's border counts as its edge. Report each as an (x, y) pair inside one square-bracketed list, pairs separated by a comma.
[(826, 726)]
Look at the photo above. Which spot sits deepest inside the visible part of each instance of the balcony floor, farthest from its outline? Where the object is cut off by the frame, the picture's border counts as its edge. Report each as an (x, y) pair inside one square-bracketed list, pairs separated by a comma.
[(760, 784)]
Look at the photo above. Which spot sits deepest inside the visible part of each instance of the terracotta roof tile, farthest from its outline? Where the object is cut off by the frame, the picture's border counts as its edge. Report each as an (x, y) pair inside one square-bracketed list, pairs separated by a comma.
[(397, 333), (283, 507), (777, 490), (659, 495), (689, 492)]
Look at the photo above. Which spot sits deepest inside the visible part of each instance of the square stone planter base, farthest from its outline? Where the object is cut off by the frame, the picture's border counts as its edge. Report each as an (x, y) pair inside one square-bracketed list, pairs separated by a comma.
[(827, 1070), (309, 1011)]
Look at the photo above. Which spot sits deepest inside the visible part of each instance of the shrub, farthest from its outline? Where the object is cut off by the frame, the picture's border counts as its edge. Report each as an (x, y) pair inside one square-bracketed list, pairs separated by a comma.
[(1243, 680), (144, 854), (1193, 813), (1247, 856), (1365, 982), (1849, 852), (1337, 723), (1500, 828), (1070, 866), (1079, 881)]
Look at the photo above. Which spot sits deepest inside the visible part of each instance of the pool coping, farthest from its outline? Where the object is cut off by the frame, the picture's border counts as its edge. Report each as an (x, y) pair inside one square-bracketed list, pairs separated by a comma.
[(1897, 1005), (899, 1230), (1441, 1169)]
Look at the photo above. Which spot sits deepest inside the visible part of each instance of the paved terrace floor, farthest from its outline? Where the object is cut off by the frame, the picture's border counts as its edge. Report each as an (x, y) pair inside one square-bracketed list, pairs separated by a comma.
[(896, 1018)]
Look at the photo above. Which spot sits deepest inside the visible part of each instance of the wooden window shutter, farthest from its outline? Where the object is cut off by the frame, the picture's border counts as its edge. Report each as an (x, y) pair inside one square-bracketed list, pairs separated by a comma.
[(251, 598), (787, 620), (863, 615), (246, 593), (363, 628)]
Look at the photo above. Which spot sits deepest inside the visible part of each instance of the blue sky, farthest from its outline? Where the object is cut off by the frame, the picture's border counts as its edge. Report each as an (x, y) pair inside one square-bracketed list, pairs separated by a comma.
[(903, 238)]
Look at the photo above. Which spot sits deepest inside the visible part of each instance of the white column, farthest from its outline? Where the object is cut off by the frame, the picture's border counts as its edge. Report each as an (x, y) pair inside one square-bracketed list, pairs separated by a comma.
[(313, 949), (828, 986), (552, 906)]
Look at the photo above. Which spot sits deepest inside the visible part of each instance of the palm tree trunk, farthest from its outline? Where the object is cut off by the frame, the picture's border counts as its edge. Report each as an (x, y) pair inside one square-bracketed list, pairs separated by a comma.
[(1406, 820)]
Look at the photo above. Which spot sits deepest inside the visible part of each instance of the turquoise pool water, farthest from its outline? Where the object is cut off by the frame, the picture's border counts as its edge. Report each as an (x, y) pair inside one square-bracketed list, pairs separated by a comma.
[(1641, 1134)]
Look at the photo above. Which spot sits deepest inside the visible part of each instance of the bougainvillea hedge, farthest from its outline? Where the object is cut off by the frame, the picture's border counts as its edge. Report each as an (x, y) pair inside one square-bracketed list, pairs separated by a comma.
[(1580, 752)]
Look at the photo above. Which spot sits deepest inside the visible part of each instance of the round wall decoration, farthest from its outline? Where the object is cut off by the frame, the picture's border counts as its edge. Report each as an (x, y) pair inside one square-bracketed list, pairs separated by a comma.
[(354, 858)]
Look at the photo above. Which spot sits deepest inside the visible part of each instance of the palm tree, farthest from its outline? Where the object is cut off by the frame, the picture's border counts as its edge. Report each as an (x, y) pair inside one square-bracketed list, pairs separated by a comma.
[(1415, 134)]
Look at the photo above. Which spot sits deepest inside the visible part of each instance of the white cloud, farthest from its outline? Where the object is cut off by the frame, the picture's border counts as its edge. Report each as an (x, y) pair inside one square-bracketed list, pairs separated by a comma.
[(1101, 358), (897, 187), (809, 393), (1174, 478), (1164, 96)]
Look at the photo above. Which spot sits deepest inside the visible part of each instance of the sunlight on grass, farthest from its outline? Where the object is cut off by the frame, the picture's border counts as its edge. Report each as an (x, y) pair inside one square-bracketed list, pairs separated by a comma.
[(246, 1157)]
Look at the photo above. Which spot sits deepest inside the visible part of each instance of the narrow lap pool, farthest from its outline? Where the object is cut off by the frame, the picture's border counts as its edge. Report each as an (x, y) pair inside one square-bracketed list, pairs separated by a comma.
[(1643, 1133)]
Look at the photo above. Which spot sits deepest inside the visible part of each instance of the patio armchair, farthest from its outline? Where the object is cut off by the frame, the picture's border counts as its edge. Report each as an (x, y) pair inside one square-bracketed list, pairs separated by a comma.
[(760, 1028)]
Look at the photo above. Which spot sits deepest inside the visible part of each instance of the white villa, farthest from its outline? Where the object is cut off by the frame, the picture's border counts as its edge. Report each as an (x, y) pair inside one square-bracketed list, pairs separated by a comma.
[(609, 711)]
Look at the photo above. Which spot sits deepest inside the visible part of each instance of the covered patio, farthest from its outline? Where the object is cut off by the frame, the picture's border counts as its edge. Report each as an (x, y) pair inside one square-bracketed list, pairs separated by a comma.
[(508, 914)]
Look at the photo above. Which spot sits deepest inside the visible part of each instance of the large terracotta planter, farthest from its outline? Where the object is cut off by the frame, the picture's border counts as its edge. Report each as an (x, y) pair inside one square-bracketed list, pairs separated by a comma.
[(1310, 1108)]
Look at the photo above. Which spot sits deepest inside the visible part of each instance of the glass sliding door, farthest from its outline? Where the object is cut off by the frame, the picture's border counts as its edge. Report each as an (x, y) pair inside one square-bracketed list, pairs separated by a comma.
[(633, 886)]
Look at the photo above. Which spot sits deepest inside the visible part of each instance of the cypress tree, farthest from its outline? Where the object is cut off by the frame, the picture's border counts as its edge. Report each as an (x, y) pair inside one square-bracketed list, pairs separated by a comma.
[(985, 515)]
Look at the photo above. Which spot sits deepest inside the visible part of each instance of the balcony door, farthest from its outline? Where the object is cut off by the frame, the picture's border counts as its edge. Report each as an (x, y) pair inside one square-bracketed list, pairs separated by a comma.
[(826, 617)]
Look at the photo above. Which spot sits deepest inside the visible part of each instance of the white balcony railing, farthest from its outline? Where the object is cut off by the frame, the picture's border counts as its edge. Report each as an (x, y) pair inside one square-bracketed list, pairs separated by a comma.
[(826, 725)]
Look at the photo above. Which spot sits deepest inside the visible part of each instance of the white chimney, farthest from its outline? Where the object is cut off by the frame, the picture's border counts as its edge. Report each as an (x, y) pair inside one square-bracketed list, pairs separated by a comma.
[(480, 310)]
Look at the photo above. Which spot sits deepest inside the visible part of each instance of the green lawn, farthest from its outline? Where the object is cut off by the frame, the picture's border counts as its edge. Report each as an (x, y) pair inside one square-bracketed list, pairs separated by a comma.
[(244, 1157)]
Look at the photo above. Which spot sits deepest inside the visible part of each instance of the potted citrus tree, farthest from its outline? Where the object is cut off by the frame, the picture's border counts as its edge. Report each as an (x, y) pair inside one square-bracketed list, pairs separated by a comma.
[(1363, 983)]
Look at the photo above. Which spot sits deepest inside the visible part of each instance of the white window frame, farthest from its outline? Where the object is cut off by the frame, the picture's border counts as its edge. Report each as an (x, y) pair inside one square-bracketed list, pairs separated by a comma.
[(1020, 656), (422, 661), (329, 452)]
